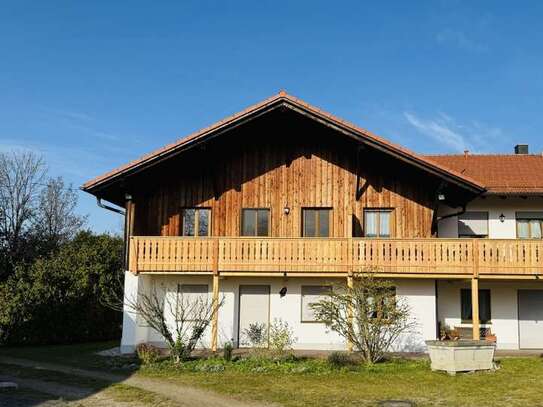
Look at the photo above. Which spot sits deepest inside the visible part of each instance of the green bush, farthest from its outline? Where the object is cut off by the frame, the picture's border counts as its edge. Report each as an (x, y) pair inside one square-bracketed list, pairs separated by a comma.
[(147, 353), (340, 359), (281, 337), (56, 299), (227, 351)]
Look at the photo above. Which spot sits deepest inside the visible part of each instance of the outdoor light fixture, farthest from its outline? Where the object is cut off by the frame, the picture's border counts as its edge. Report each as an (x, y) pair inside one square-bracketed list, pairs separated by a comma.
[(441, 197), (502, 218), (283, 292), (286, 210)]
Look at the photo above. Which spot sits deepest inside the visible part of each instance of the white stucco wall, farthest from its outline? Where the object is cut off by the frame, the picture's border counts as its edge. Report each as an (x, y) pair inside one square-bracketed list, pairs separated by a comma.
[(495, 206), (418, 294), (503, 305)]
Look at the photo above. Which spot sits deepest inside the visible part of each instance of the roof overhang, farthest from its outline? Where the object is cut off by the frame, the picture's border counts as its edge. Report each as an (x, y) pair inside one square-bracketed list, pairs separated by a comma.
[(280, 101)]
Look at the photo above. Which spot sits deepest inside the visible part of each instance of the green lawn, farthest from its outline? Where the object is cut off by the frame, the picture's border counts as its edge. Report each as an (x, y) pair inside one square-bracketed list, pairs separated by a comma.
[(518, 382)]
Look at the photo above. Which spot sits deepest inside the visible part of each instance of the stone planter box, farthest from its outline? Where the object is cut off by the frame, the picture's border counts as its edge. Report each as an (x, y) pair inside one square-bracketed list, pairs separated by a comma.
[(461, 356)]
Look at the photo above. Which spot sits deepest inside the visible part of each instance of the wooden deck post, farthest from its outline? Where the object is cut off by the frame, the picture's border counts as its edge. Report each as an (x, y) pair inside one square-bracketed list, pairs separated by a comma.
[(475, 308), (350, 285), (475, 292), (215, 303)]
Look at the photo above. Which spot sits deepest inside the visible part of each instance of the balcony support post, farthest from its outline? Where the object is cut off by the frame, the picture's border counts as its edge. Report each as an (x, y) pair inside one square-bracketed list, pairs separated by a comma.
[(350, 310), (475, 292), (475, 308), (215, 301)]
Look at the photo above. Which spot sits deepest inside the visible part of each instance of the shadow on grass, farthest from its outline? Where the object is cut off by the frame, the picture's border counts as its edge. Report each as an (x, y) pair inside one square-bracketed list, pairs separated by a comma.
[(63, 372)]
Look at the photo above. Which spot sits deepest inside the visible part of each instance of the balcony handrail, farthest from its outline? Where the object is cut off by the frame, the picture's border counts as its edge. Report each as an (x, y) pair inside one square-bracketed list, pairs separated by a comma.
[(463, 256)]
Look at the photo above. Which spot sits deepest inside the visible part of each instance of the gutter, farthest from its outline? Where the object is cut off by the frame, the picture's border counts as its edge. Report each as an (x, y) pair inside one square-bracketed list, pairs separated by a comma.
[(109, 208)]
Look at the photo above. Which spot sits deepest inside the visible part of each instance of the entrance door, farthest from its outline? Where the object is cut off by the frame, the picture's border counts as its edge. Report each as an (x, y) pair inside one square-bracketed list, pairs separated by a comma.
[(530, 319), (254, 307)]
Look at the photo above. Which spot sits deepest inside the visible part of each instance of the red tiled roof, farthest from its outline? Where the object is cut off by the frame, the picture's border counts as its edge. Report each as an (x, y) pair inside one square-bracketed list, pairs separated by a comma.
[(500, 174), (288, 100)]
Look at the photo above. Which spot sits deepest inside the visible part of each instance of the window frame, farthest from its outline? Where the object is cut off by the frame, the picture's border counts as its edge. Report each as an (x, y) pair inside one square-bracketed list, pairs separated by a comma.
[(481, 321), (327, 288), (519, 217), (256, 210), (197, 209), (317, 209), (392, 229)]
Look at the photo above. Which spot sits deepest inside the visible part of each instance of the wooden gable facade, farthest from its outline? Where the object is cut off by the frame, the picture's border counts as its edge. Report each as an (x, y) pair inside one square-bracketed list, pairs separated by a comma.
[(284, 160)]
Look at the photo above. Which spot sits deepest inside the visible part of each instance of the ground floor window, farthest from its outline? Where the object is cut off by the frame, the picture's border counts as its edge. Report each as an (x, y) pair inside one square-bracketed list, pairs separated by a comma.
[(312, 294), (484, 306), (192, 299)]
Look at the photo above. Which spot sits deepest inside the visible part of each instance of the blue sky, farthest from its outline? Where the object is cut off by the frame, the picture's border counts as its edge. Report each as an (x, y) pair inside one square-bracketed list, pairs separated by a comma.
[(92, 85)]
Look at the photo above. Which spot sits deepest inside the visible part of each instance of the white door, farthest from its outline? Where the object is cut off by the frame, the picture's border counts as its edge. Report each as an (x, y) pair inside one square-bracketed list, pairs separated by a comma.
[(530, 319), (254, 307)]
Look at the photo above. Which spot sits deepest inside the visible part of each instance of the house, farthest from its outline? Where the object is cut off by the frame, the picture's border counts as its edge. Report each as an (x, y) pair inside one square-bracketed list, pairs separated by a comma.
[(269, 206)]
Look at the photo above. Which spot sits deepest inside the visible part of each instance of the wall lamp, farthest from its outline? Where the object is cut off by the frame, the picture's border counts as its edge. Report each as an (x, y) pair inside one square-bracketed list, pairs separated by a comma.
[(502, 218), (286, 210)]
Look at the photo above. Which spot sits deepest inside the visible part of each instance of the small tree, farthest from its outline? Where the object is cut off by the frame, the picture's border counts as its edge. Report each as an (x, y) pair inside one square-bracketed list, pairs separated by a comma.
[(368, 315), (180, 319)]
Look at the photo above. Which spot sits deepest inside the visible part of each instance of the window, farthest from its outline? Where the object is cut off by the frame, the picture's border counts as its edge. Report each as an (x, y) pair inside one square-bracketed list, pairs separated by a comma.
[(473, 224), (484, 306), (529, 225), (255, 222), (377, 222), (196, 222), (316, 222), (310, 295), (194, 297), (385, 302)]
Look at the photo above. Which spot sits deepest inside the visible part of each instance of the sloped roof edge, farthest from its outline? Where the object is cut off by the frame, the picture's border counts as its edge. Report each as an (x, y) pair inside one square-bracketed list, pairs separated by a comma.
[(282, 98)]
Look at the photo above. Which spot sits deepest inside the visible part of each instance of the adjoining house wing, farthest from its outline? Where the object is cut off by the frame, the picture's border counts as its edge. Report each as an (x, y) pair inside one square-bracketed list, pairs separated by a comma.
[(513, 174)]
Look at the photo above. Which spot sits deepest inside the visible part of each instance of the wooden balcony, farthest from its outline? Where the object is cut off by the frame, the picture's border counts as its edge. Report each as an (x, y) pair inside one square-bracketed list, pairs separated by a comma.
[(446, 258)]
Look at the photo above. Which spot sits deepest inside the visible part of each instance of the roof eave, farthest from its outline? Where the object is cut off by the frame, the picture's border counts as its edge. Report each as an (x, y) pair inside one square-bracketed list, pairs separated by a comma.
[(281, 99)]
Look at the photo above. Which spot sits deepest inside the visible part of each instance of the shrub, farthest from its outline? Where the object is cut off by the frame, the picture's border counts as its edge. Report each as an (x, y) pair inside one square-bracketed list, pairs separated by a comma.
[(147, 353), (340, 359), (281, 337), (57, 298), (367, 314), (227, 351), (256, 335)]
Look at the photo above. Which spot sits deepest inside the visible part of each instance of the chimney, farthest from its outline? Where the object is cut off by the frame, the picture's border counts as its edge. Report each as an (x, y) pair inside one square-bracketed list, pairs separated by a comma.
[(521, 149)]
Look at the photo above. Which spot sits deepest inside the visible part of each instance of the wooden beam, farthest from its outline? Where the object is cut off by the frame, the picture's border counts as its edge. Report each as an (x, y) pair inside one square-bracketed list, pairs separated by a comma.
[(475, 308), (350, 284), (215, 320)]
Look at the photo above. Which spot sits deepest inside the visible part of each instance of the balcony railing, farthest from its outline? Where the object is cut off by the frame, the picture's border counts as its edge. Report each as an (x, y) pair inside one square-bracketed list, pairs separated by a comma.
[(337, 255)]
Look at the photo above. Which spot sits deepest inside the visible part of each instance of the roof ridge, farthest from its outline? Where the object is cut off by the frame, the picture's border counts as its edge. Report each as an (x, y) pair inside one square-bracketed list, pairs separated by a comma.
[(282, 95), (483, 155)]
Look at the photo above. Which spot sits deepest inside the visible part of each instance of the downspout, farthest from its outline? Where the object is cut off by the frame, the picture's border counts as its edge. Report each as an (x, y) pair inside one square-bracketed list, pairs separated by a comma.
[(461, 212)]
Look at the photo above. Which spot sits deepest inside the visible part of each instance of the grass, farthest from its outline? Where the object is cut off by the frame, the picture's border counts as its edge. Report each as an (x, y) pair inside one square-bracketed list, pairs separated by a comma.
[(313, 382), (117, 392), (78, 355), (519, 382), (130, 394)]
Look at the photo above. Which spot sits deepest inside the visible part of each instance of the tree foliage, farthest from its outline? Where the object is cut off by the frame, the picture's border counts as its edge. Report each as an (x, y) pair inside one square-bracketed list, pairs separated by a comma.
[(368, 315), (56, 299)]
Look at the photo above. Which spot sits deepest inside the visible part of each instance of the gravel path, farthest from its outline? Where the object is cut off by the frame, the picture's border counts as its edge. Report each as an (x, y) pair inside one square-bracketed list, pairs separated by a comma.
[(182, 395)]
